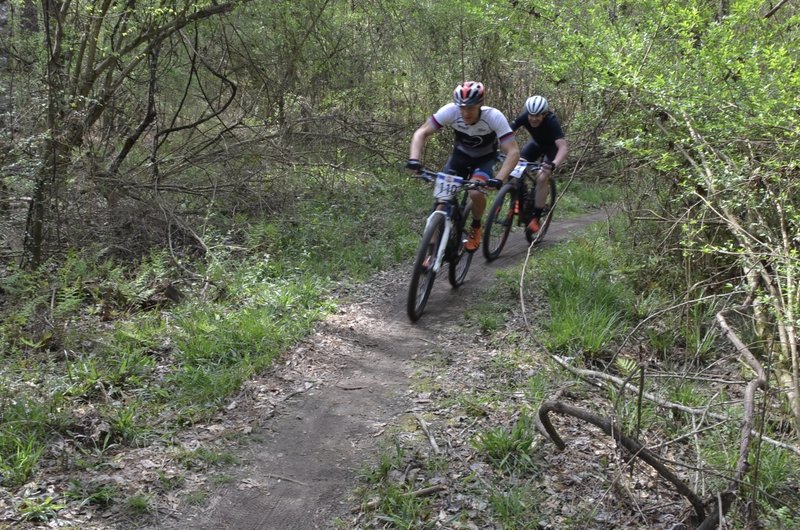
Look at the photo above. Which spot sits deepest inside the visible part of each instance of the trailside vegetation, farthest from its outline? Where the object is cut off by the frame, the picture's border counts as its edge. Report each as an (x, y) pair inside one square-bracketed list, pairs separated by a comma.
[(183, 184)]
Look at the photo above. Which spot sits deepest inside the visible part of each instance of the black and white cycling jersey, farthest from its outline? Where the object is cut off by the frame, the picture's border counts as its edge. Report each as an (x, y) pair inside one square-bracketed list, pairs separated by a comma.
[(480, 138)]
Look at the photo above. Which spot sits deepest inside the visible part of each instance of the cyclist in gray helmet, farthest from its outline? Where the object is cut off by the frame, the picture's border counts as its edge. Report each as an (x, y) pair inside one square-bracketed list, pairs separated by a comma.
[(479, 132), (547, 141)]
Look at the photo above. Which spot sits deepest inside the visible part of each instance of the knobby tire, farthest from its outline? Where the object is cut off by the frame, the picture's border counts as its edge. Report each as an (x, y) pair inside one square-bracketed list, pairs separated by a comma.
[(499, 222), (422, 278), (460, 259)]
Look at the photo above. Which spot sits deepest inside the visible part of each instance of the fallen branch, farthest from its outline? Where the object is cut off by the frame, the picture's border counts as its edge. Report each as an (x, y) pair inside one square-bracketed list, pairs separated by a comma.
[(596, 378), (633, 447)]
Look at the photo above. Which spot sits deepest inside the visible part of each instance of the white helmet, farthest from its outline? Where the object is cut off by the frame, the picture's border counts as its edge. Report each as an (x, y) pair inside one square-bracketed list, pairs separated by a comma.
[(536, 105)]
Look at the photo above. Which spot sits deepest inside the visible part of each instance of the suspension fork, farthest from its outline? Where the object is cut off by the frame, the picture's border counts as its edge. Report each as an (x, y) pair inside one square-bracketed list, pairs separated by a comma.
[(442, 244)]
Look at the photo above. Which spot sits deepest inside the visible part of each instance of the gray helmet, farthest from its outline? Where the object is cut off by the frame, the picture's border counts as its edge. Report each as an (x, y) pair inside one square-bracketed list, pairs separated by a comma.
[(536, 105)]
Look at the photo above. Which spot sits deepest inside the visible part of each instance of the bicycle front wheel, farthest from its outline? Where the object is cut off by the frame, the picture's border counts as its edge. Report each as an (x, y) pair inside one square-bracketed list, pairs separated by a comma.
[(499, 222), (423, 275), (460, 259), (547, 215)]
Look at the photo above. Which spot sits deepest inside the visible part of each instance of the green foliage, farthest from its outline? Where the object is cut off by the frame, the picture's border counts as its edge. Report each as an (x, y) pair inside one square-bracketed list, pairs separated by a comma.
[(583, 195), (589, 303), (186, 358), (777, 472), (19, 456), (389, 458), (538, 388), (23, 430), (395, 504), (516, 507), (217, 346), (196, 498), (202, 458), (780, 518), (93, 493), (139, 504), (633, 418), (508, 450), (404, 511), (39, 510), (125, 425), (472, 405)]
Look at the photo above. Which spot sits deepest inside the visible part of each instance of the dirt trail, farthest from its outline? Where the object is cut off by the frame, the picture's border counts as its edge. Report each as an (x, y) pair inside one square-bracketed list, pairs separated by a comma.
[(341, 388)]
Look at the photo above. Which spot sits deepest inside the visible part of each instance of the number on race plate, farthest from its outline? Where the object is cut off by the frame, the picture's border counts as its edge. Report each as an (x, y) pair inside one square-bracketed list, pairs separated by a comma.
[(519, 169), (446, 186)]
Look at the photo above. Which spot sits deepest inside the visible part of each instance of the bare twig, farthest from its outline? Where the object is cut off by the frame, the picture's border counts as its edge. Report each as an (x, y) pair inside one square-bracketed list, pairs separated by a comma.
[(774, 9), (287, 479), (424, 426), (727, 497)]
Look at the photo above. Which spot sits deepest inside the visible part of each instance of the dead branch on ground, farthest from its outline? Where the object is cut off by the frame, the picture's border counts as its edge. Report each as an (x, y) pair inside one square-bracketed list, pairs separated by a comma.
[(634, 447)]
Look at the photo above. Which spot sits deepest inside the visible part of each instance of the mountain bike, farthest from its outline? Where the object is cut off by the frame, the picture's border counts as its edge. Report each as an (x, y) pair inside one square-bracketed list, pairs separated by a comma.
[(443, 239), (513, 206)]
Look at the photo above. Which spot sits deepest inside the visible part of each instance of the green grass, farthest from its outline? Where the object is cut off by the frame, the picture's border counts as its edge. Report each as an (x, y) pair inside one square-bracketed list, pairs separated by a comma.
[(538, 387), (404, 511), (139, 505), (24, 424), (260, 286), (508, 449), (516, 506), (39, 510), (203, 458), (392, 500), (195, 498), (98, 494), (583, 195), (589, 303), (586, 295)]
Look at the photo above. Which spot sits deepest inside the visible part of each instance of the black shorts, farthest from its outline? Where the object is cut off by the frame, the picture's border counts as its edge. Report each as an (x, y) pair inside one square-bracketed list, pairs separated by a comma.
[(531, 152), (466, 166)]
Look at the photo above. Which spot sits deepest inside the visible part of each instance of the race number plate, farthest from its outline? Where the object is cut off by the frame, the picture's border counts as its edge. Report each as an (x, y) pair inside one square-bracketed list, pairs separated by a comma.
[(519, 169), (446, 186)]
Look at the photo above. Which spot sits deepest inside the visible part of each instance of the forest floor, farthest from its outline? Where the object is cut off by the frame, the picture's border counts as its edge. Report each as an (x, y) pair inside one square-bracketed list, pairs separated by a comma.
[(287, 451)]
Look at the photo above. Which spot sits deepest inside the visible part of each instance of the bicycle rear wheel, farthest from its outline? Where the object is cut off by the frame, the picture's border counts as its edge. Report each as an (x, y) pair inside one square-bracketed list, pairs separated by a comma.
[(460, 259), (547, 215), (499, 222), (422, 275)]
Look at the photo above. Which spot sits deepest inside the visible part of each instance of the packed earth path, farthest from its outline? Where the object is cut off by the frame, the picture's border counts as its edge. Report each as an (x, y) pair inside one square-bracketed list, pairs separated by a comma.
[(302, 432)]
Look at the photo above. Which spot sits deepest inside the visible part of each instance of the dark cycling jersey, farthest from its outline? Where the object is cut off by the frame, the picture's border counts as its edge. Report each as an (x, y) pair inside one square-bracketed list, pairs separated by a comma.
[(545, 135), (479, 139)]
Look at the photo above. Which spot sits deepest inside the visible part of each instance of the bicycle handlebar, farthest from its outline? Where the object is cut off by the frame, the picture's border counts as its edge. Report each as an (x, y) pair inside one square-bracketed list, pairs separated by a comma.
[(534, 166), (429, 176)]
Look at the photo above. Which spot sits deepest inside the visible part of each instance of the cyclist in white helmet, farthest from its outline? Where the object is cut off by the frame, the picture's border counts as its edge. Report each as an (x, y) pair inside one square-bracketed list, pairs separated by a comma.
[(547, 141), (479, 132)]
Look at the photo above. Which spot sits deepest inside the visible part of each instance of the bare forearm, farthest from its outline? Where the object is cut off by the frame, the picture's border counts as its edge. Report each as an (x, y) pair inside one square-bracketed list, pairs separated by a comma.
[(561, 154), (511, 150), (418, 141)]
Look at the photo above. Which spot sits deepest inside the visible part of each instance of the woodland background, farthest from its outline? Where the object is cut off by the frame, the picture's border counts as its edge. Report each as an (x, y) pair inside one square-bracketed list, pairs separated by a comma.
[(150, 150)]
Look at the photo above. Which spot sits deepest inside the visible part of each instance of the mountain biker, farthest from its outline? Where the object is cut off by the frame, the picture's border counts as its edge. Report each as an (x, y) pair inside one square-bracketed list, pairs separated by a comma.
[(547, 139), (479, 131)]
